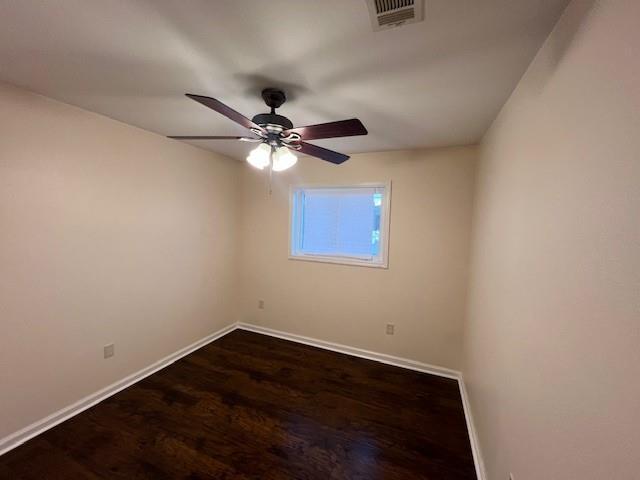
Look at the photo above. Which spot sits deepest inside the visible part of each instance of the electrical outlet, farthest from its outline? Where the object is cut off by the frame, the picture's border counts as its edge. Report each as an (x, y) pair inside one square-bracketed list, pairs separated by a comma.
[(390, 328), (109, 350), (261, 304)]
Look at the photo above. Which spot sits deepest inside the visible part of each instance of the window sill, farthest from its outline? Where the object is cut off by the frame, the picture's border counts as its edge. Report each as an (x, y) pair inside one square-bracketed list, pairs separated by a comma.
[(339, 261)]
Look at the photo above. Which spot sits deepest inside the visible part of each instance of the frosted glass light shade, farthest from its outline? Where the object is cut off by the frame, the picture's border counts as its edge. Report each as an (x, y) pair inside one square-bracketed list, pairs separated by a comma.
[(283, 159), (259, 156)]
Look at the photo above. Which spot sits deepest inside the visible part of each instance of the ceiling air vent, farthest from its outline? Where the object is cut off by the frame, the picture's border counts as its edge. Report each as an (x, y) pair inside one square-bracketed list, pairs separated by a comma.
[(393, 13)]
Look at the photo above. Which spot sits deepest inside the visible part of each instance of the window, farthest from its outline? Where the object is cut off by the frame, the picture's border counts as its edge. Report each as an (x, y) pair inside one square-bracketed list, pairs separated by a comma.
[(341, 224)]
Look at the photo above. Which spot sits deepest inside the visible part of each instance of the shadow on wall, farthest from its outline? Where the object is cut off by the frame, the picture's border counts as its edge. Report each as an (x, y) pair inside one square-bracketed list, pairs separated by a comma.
[(571, 25)]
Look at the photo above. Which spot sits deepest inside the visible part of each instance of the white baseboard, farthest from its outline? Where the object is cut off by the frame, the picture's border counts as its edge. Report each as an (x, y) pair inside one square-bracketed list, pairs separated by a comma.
[(356, 352), (473, 435), (15, 439)]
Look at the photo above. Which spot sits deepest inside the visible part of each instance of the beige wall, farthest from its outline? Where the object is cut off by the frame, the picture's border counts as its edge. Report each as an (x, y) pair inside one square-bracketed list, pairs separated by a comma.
[(423, 292), (108, 234), (553, 335)]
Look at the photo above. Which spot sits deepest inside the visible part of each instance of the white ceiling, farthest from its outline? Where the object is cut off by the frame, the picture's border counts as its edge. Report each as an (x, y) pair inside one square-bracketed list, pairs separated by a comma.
[(436, 83)]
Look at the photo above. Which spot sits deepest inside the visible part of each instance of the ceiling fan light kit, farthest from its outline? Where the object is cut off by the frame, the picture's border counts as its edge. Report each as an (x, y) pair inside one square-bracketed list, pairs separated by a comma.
[(259, 156), (276, 135), (283, 159)]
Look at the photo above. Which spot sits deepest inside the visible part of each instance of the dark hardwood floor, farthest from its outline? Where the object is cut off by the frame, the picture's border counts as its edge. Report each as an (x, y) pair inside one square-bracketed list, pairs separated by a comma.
[(250, 406)]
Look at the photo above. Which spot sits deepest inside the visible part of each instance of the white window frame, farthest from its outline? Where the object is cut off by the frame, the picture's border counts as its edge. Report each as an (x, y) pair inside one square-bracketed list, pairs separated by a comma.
[(381, 261)]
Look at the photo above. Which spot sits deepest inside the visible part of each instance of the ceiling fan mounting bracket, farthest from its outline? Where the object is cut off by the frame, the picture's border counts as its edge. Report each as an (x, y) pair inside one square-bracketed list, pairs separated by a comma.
[(273, 97)]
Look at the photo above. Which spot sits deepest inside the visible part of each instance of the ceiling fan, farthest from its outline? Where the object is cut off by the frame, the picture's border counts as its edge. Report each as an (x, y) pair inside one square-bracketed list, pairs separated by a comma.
[(276, 135)]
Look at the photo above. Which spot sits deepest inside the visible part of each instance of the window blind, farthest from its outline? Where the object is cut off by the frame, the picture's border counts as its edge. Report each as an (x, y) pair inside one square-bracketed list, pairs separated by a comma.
[(341, 221)]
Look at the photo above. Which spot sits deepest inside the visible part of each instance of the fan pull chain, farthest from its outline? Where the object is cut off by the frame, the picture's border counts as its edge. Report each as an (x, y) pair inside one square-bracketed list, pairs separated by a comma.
[(271, 169)]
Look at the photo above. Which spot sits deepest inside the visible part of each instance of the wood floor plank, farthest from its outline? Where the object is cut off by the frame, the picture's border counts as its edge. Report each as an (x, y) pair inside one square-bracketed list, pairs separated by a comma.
[(249, 406)]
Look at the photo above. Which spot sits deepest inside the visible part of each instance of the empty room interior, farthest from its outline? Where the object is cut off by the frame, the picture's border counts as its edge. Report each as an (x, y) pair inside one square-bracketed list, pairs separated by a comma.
[(337, 239)]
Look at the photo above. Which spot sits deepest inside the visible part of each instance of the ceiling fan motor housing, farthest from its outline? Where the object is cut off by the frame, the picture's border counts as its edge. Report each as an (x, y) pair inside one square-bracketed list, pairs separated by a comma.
[(264, 119)]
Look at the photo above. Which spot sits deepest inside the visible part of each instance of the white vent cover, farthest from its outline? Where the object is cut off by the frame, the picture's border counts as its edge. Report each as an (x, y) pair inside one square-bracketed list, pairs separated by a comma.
[(393, 13)]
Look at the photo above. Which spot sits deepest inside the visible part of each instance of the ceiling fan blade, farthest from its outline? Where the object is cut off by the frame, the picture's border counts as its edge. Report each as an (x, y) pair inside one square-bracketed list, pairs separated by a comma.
[(323, 153), (343, 128), (202, 137), (221, 108)]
